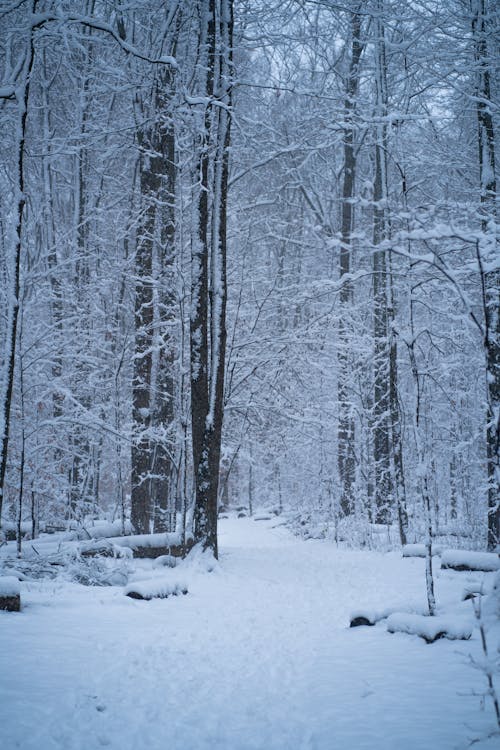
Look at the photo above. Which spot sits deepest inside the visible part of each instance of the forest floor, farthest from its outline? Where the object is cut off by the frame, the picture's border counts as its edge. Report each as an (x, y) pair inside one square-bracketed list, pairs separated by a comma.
[(258, 656)]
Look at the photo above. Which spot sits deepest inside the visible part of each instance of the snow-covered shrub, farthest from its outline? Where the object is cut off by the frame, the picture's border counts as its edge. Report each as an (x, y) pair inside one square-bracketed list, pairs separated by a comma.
[(98, 571)]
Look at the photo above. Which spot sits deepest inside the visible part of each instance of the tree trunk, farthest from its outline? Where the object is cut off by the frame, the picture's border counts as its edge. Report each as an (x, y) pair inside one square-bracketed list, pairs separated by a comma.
[(346, 444), (208, 293), (487, 251), (22, 95), (384, 360)]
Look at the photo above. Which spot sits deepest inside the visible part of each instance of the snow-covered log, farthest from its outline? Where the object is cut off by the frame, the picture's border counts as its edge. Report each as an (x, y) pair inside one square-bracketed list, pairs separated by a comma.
[(458, 559), (371, 615), (154, 545), (418, 550), (155, 589), (368, 616), (10, 594), (430, 628), (99, 548)]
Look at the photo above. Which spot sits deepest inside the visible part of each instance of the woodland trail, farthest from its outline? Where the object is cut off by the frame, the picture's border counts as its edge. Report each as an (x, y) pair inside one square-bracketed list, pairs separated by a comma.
[(258, 656)]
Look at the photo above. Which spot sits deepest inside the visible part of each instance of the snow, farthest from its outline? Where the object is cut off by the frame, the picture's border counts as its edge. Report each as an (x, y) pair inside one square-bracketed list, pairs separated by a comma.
[(430, 628), (9, 586), (463, 559), (474, 588), (258, 656)]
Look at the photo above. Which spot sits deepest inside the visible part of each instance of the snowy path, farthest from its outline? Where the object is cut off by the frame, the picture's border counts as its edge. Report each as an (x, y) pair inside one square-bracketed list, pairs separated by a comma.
[(257, 657)]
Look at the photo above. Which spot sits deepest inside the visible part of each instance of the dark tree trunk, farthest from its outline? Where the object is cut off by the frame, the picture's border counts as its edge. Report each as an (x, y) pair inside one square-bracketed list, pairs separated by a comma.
[(13, 314), (208, 294), (346, 444), (142, 449), (490, 279), (384, 360)]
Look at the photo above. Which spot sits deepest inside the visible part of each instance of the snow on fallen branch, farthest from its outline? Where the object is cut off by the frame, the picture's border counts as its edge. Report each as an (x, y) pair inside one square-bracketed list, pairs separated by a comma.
[(458, 559), (154, 545), (430, 628), (156, 589), (370, 616), (418, 550)]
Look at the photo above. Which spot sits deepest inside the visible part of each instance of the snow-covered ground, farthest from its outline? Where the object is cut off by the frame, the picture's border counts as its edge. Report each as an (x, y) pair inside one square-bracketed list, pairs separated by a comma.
[(258, 656)]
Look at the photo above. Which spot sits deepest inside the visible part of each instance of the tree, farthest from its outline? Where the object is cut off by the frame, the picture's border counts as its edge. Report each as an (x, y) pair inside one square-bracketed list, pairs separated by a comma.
[(346, 442), (487, 255), (208, 281), (18, 91), (153, 382)]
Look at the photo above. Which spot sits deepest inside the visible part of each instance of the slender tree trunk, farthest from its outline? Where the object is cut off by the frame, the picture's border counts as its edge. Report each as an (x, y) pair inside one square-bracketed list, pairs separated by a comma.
[(487, 251), (346, 428), (150, 183), (384, 360), (422, 476), (22, 94), (397, 466)]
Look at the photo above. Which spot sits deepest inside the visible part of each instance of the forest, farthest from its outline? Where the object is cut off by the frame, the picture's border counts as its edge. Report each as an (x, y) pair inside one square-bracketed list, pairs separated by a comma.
[(249, 255), (250, 280)]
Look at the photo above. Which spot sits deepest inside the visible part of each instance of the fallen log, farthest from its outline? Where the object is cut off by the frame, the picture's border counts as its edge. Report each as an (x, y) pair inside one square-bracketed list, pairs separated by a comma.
[(430, 629), (152, 546), (465, 560), (155, 589), (10, 594)]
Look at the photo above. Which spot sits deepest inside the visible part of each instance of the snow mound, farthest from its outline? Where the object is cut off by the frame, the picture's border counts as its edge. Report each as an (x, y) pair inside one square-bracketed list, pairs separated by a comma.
[(9, 586), (156, 588), (199, 561), (430, 628), (473, 589), (457, 559), (370, 615), (165, 561)]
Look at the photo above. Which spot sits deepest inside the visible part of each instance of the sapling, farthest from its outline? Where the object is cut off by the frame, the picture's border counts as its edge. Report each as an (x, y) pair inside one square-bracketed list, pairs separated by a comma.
[(423, 473), (488, 667)]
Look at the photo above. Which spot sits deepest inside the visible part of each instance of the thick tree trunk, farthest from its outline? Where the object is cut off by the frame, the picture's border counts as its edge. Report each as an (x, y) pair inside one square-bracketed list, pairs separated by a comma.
[(153, 384)]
